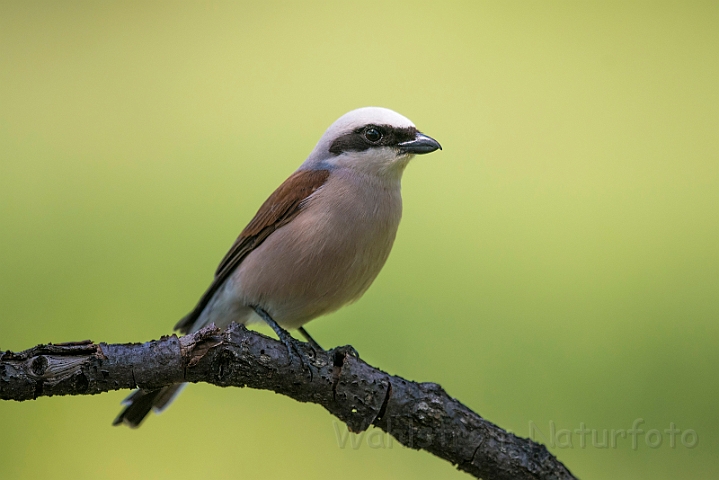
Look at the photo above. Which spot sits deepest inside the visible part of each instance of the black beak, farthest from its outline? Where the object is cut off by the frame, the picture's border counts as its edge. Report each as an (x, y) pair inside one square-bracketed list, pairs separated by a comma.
[(420, 145)]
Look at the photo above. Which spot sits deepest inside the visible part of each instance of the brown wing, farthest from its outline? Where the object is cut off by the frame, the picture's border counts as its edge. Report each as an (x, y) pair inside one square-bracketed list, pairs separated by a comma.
[(278, 210)]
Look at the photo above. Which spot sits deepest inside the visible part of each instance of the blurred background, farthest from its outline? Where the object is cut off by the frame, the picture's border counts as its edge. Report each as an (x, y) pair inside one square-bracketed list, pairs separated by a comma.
[(557, 264)]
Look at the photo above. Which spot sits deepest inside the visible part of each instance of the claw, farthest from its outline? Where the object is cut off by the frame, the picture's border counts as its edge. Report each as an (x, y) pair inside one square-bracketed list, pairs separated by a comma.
[(305, 361), (293, 346)]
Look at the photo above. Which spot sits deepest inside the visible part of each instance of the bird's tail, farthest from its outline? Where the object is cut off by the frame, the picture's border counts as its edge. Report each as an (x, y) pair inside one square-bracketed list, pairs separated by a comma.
[(139, 403)]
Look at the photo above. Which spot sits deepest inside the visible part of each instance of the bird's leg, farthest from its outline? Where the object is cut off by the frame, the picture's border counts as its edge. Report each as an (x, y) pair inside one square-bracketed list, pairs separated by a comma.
[(310, 340), (289, 341), (346, 350)]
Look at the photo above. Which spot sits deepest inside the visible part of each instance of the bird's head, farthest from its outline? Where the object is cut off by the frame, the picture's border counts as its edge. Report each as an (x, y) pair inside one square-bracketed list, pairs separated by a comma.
[(371, 140)]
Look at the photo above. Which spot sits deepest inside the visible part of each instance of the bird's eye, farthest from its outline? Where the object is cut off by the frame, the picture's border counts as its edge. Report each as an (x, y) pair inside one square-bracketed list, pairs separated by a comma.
[(373, 135)]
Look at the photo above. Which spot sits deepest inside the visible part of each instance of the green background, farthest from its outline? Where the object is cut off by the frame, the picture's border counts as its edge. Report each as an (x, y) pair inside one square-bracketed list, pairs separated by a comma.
[(557, 262)]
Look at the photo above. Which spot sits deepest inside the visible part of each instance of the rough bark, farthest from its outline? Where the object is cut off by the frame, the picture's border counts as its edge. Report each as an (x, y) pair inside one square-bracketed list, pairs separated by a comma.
[(418, 415)]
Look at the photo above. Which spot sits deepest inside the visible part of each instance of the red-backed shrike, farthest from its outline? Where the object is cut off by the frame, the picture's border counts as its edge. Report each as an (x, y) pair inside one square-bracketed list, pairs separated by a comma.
[(317, 243)]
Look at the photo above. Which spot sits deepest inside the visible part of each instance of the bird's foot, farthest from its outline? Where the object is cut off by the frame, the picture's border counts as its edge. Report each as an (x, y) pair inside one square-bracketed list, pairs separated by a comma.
[(297, 353), (315, 346), (294, 347)]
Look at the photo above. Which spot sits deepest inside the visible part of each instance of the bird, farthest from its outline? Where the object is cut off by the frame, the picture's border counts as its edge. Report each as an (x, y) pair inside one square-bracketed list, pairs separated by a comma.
[(316, 244)]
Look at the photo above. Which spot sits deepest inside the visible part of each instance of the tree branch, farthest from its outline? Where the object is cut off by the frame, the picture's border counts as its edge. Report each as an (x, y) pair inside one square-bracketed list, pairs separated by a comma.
[(418, 415)]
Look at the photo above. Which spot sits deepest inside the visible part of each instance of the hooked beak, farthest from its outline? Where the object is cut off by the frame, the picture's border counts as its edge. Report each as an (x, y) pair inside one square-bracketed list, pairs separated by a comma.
[(420, 145)]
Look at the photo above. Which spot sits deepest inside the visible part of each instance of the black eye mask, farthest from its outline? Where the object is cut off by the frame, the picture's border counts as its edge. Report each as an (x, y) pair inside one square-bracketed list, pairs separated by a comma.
[(363, 138)]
